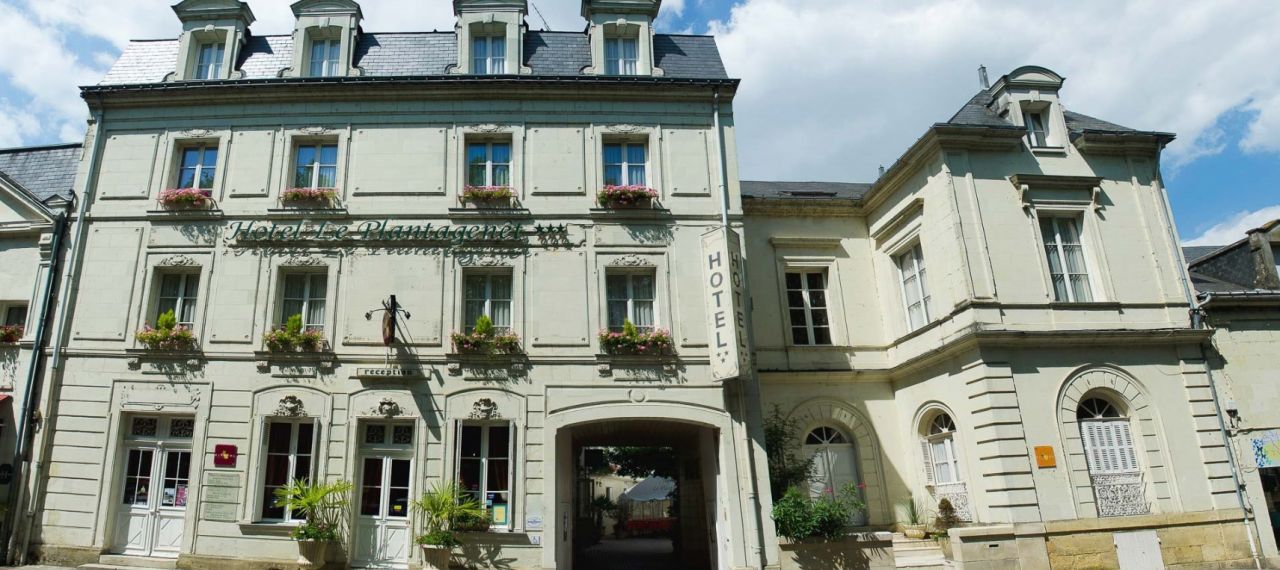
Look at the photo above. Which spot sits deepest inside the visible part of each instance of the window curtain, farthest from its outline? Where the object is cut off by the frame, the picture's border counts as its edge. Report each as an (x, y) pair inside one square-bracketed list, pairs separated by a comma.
[(613, 165), (642, 301), (501, 164), (500, 302), (316, 302), (636, 165)]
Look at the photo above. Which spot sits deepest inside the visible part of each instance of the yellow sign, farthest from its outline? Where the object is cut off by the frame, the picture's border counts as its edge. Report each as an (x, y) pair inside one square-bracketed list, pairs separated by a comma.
[(1044, 456)]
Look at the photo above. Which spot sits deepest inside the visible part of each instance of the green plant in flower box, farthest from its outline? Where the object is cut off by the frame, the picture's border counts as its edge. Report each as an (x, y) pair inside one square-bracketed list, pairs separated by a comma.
[(632, 341), (484, 338), (293, 337), (167, 334)]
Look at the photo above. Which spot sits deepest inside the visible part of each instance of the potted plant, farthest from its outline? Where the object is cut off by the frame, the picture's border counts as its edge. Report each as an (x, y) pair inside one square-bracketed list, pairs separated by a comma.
[(176, 198), (634, 196), (167, 334), (324, 507), (293, 337), (631, 341), (10, 334), (310, 197), (441, 509), (485, 339), (914, 527), (488, 196)]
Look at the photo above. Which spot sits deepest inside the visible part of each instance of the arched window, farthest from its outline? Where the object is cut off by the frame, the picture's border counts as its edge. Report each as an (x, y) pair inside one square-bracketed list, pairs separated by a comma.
[(941, 463), (1111, 458), (835, 462)]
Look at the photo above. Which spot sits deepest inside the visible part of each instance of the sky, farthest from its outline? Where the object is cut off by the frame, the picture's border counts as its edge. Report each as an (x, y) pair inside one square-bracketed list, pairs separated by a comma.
[(832, 89)]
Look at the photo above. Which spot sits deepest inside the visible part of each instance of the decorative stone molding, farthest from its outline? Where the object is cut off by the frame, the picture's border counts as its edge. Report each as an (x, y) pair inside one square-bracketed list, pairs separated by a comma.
[(485, 409), (627, 129), (488, 128), (178, 261), (159, 396), (304, 261), (196, 133), (455, 369), (482, 261), (632, 261), (290, 406), (315, 131), (388, 408)]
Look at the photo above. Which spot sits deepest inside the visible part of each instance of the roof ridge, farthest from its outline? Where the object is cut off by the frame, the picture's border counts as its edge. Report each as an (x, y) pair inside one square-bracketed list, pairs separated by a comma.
[(54, 146)]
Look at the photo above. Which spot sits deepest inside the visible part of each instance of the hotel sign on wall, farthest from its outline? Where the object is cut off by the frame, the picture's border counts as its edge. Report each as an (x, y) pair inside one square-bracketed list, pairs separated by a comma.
[(386, 231), (726, 317)]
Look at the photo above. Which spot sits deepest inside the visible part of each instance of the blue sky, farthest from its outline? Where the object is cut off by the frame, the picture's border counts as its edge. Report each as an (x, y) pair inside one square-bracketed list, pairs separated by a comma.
[(833, 88)]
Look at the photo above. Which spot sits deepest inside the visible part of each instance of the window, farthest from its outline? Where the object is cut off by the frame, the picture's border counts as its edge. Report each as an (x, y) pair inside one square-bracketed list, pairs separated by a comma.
[(1065, 254), (324, 58), (488, 294), (304, 294), (289, 449), (807, 305), (488, 164), (178, 292), (835, 465), (1111, 458), (209, 61), (621, 56), (199, 167), (1037, 132), (316, 166), (915, 288), (15, 315), (630, 298), (489, 55), (625, 164), (484, 467), (941, 463)]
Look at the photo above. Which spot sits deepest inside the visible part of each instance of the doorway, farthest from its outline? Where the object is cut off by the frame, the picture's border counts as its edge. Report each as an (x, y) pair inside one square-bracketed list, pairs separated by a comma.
[(381, 538), (155, 486)]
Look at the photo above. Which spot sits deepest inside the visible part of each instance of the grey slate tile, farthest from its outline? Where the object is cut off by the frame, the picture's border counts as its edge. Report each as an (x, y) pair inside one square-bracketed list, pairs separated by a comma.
[(45, 171)]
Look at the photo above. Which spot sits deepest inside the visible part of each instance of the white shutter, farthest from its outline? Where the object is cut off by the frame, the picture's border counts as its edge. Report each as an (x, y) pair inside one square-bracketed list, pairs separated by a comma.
[(926, 457), (1090, 432), (1108, 446)]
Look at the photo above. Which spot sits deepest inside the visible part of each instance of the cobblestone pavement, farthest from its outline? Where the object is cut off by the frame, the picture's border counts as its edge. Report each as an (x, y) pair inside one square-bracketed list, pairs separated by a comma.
[(631, 554)]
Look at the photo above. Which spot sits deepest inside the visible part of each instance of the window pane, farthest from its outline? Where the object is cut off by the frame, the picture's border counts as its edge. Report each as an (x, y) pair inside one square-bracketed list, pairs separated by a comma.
[(16, 315), (798, 317), (319, 286), (499, 440), (501, 153), (613, 154), (815, 280), (329, 154), (613, 175), (304, 439), (498, 476), (190, 157), (501, 175), (817, 298), (617, 314), (644, 314), (498, 54), (616, 286), (642, 286), (793, 281), (636, 154), (819, 317), (469, 475), (170, 285), (470, 446), (821, 335), (371, 487), (800, 335), (636, 175), (795, 299)]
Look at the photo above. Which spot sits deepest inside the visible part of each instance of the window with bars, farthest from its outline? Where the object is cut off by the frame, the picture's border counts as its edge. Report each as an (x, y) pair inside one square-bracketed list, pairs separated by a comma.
[(305, 294), (1068, 269), (199, 167), (621, 56), (915, 287), (807, 307), (630, 297), (316, 166), (941, 462), (489, 55), (178, 293), (1037, 129), (626, 164), (325, 58), (488, 164), (487, 294), (209, 60), (485, 467), (289, 448)]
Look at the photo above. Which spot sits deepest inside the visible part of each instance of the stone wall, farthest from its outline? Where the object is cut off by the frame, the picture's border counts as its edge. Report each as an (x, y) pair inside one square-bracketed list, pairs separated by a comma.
[(864, 550)]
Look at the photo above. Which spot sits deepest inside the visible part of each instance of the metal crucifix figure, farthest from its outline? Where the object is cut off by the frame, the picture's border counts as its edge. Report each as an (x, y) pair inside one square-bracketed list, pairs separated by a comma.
[(391, 311)]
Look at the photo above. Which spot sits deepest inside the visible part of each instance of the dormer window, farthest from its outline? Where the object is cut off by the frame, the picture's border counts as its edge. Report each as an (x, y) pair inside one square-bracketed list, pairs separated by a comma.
[(209, 60), (489, 55), (325, 58), (1037, 129), (621, 56)]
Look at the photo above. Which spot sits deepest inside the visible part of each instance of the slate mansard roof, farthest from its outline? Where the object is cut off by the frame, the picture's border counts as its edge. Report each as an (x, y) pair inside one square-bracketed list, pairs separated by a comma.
[(976, 113), (45, 171), (423, 54)]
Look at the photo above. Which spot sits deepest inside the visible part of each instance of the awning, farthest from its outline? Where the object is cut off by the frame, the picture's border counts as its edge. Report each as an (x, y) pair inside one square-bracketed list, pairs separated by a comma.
[(651, 489)]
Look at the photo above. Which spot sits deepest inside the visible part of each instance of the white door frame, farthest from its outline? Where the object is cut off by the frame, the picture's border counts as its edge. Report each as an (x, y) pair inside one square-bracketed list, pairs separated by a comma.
[(388, 453), (160, 444)]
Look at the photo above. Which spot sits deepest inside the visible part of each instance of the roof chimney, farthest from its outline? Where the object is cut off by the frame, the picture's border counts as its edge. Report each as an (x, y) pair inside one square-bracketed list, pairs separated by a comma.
[(982, 77)]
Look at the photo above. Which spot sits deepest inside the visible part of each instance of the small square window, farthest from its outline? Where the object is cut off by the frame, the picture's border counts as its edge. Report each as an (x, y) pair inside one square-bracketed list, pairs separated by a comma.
[(325, 58), (489, 55), (630, 297), (179, 293)]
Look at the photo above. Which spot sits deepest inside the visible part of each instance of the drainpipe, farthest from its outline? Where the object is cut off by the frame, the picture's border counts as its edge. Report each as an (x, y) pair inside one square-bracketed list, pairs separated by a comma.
[(724, 162), (31, 390), (69, 289)]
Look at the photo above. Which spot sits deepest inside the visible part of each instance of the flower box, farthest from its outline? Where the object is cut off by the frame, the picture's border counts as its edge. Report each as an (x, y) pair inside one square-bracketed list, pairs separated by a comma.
[(167, 334), (634, 342), (292, 337), (626, 196), (180, 198), (488, 196), (485, 339), (10, 334), (311, 197)]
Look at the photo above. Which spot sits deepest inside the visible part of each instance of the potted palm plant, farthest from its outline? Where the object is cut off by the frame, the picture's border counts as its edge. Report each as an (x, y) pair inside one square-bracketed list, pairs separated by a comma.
[(914, 527), (324, 508), (441, 509)]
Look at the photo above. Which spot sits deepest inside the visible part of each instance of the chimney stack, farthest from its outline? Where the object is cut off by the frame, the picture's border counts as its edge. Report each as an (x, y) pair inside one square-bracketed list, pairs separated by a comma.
[(982, 77)]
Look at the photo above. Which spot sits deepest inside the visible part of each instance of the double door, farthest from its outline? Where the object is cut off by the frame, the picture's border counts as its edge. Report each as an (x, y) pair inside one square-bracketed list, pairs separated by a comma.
[(151, 512), (382, 530)]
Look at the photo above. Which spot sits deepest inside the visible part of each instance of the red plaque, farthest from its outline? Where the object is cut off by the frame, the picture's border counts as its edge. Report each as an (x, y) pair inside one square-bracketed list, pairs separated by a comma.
[(224, 455)]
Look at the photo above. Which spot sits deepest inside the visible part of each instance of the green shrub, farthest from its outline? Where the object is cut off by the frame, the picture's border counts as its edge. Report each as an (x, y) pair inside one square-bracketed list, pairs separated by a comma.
[(798, 516), (484, 338), (292, 336), (785, 469)]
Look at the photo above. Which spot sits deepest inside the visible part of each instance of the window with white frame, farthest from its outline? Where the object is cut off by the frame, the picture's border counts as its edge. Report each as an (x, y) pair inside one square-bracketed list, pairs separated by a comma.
[(941, 462), (489, 295), (325, 57), (199, 167), (289, 447), (15, 314), (1037, 128), (489, 55), (621, 56), (178, 293), (304, 293), (630, 297), (316, 166), (1068, 269), (209, 60), (485, 467), (626, 164), (1108, 440), (488, 163), (807, 307), (915, 287)]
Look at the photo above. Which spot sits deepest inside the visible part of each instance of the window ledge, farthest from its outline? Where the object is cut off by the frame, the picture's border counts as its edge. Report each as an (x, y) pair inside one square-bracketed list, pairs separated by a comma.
[(1091, 305), (1049, 150), (268, 528), (656, 211), (295, 213), (325, 359), (820, 347), (487, 213), (191, 359), (185, 213)]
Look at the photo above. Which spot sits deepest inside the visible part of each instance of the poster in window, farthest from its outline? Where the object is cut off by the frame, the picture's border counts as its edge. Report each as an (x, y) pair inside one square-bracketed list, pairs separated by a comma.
[(180, 499), (499, 514)]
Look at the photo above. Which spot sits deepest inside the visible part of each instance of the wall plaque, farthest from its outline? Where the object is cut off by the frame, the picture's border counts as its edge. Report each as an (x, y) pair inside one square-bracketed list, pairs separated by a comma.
[(222, 495), (1045, 457), (216, 479), (389, 373), (221, 512), (224, 455)]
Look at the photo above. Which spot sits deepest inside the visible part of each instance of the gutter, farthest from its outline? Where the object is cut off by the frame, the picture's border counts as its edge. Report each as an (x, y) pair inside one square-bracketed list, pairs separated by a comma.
[(469, 80)]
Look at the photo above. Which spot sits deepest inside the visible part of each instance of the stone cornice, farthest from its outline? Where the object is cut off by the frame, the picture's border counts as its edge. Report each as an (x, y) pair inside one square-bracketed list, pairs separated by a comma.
[(806, 208), (938, 138)]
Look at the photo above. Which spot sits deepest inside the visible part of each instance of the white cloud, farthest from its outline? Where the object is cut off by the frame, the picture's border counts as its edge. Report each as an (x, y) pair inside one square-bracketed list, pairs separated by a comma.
[(833, 88), (1233, 228)]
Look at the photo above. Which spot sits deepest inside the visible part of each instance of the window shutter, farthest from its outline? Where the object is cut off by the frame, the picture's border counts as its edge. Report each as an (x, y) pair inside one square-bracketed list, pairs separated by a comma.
[(926, 456), (1124, 438), (1090, 433)]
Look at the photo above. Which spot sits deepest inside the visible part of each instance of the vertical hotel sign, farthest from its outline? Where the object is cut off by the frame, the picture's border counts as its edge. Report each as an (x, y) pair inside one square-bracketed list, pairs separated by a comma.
[(726, 316)]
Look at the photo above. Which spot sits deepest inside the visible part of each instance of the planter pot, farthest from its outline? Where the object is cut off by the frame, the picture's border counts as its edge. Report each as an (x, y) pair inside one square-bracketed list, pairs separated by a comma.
[(313, 553), (915, 531), (642, 204), (435, 557)]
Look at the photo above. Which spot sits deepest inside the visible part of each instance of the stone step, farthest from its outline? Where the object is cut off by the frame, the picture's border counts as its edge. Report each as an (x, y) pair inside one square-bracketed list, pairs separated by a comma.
[(119, 561)]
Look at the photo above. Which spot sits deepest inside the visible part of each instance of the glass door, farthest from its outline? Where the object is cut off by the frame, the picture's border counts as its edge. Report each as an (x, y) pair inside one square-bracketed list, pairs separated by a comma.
[(155, 487), (382, 534)]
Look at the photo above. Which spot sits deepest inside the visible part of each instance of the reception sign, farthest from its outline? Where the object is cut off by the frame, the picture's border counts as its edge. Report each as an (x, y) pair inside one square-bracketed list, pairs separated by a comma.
[(726, 317)]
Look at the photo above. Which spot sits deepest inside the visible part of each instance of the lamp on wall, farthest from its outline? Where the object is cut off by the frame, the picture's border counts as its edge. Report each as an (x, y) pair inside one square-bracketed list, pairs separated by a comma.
[(390, 312)]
